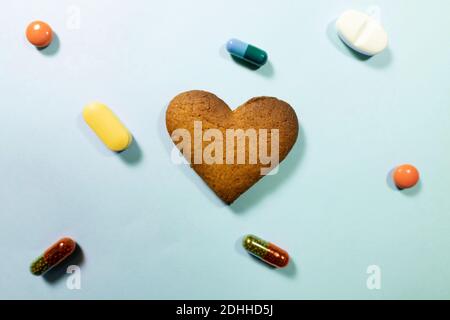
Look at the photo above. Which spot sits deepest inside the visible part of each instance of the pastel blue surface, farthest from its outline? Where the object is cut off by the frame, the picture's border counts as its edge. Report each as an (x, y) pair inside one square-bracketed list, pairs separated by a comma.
[(151, 229), (237, 47)]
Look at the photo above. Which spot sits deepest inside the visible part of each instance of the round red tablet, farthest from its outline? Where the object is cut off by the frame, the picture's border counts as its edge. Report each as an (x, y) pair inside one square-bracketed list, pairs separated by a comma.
[(405, 176), (39, 34)]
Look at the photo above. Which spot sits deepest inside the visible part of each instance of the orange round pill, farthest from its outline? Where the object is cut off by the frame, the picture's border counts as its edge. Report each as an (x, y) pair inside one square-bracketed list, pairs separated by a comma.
[(39, 34), (405, 176)]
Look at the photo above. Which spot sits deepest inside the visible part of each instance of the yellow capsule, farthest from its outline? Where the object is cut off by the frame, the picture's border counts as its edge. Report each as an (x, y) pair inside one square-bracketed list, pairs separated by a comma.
[(107, 126)]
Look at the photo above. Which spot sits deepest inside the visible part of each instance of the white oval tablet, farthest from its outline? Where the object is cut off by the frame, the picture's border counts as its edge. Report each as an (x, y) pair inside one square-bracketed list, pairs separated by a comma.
[(361, 32)]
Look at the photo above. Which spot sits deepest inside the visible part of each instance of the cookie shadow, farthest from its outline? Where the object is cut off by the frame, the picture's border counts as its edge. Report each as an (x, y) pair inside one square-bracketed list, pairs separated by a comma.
[(379, 61), (57, 273), (268, 184), (184, 166)]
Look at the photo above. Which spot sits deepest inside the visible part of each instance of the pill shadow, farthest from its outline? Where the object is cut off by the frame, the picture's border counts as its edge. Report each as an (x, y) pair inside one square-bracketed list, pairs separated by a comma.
[(267, 70), (268, 184), (410, 192), (290, 271), (53, 48), (185, 168), (390, 180), (379, 61), (57, 273), (133, 154)]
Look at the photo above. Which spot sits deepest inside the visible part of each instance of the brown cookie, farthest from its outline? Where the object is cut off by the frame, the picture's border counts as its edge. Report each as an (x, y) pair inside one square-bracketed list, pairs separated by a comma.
[(224, 172)]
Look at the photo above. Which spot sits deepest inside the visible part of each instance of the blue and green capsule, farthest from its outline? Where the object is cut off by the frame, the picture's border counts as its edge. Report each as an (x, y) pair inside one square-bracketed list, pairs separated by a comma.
[(247, 52)]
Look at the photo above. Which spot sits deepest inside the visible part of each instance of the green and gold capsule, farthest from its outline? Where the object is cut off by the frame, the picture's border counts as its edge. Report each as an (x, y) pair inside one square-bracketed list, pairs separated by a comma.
[(53, 256), (247, 52), (266, 251)]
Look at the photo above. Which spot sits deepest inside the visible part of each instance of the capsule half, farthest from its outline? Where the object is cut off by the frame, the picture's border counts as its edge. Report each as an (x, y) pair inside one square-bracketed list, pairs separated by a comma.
[(266, 251)]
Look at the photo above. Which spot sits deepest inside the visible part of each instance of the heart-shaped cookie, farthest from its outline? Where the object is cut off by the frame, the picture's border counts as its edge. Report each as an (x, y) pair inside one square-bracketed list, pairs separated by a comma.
[(231, 150)]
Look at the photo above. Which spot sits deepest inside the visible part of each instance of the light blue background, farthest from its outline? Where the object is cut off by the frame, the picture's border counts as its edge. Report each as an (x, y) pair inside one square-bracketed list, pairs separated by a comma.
[(151, 229)]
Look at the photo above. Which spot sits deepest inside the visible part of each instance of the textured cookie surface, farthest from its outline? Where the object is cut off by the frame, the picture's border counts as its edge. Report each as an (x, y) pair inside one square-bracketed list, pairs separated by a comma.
[(229, 181)]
